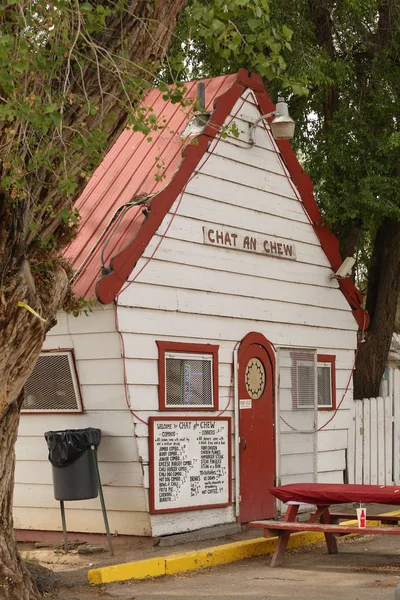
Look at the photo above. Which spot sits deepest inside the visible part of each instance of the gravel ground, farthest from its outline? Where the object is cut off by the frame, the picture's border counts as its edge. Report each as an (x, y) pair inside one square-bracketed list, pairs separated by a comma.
[(366, 568)]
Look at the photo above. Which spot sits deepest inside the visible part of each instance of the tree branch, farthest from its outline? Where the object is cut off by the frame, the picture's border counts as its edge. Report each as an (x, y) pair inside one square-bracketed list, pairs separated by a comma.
[(323, 27)]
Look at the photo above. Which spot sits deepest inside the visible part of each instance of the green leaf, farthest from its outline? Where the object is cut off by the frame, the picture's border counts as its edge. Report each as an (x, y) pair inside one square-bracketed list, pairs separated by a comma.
[(6, 40), (287, 33), (254, 24), (299, 90), (21, 66), (5, 76), (56, 119), (51, 108), (281, 63), (86, 7)]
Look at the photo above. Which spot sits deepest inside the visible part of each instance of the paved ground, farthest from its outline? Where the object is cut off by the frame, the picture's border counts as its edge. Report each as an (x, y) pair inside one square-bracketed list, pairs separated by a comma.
[(138, 548), (366, 568)]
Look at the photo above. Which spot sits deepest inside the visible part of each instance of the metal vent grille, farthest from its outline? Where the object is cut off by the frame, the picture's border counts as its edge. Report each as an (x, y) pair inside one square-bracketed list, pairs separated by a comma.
[(188, 380), (52, 385), (303, 372), (305, 384), (324, 371)]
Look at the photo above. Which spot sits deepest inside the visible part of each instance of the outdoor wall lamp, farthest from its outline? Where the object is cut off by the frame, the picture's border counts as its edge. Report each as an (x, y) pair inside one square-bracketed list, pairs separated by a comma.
[(345, 268), (282, 126)]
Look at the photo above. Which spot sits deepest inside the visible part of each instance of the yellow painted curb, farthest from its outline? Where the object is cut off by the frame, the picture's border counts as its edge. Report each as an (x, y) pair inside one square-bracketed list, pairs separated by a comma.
[(218, 555), (208, 557), (197, 559), (140, 569), (222, 555)]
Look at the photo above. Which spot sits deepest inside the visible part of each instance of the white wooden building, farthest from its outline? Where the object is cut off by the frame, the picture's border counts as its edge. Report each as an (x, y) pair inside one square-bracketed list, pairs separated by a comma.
[(218, 354)]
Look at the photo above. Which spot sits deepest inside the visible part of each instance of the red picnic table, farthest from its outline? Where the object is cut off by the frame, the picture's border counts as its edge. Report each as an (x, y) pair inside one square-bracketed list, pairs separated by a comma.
[(323, 495)]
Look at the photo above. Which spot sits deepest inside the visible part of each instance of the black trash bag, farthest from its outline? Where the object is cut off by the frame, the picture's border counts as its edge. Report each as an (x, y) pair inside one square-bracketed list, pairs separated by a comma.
[(65, 447)]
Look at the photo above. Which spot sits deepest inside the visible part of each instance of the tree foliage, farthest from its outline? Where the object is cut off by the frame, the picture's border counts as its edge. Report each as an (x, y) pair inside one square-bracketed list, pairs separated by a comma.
[(348, 133), (213, 38), (66, 89)]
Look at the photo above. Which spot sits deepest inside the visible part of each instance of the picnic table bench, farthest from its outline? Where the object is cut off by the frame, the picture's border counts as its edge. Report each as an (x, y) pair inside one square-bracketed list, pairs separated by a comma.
[(322, 520)]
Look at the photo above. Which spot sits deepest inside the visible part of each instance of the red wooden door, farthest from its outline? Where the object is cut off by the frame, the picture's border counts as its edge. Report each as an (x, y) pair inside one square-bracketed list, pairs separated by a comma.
[(256, 428)]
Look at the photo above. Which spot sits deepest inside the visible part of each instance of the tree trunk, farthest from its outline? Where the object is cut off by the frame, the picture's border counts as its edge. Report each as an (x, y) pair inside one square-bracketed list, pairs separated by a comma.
[(324, 34), (382, 296), (144, 30), (15, 581), (22, 339)]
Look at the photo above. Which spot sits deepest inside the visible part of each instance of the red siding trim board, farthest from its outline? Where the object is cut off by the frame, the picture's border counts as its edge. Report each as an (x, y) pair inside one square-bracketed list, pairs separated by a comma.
[(122, 264), (185, 348)]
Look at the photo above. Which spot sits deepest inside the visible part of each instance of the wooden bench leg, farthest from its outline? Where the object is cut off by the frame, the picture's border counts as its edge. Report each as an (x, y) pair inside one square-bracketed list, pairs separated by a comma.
[(282, 542), (331, 542), (317, 515)]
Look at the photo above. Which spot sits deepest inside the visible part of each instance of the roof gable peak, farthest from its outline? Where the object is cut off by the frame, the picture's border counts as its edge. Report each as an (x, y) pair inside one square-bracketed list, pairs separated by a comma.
[(141, 225)]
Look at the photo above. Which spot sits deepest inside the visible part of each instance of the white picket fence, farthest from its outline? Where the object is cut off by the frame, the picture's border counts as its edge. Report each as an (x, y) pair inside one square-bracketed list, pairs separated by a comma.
[(374, 439)]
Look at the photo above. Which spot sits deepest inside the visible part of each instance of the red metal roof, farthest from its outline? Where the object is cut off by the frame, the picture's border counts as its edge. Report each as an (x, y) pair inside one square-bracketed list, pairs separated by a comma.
[(128, 170)]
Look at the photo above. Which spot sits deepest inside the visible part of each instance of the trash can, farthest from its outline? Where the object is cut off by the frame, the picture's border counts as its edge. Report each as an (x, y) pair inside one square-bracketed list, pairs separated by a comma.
[(73, 464)]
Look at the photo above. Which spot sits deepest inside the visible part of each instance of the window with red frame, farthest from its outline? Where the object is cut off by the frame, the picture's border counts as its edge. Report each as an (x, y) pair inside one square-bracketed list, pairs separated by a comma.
[(303, 380), (188, 376)]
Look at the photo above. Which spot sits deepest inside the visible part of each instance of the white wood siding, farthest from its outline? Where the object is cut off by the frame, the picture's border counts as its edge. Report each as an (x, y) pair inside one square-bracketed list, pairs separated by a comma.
[(97, 350), (192, 292)]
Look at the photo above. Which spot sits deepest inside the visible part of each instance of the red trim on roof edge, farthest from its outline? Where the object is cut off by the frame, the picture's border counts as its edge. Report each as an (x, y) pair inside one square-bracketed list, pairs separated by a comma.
[(108, 286)]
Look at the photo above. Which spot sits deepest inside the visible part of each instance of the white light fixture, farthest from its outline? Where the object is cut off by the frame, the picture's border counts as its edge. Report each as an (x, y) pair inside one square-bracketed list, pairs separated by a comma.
[(201, 117), (282, 126), (345, 269)]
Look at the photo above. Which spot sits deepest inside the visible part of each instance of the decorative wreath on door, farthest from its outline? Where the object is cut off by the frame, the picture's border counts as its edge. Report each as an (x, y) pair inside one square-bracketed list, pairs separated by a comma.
[(255, 378)]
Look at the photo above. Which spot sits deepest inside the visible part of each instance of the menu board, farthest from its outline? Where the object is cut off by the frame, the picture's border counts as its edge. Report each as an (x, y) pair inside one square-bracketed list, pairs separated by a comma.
[(190, 462)]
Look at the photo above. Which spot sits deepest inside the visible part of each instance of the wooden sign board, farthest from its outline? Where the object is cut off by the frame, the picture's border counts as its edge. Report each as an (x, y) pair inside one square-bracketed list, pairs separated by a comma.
[(238, 239), (190, 463)]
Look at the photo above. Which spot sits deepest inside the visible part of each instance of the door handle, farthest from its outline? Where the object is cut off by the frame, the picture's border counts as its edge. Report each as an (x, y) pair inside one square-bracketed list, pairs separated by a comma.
[(243, 443)]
